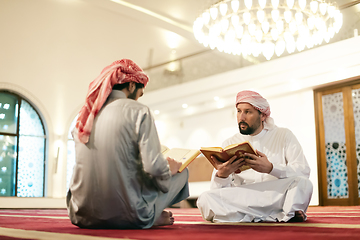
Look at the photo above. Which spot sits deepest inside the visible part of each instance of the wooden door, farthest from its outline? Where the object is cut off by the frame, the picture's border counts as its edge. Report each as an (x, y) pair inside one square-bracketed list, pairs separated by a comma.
[(337, 112)]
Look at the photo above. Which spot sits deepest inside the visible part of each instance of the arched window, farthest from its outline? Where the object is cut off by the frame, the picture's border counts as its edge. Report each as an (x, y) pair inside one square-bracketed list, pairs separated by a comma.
[(70, 162), (22, 148)]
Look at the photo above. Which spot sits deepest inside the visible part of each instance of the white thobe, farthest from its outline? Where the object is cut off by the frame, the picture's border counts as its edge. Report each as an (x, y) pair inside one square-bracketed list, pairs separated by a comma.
[(251, 196), (121, 179)]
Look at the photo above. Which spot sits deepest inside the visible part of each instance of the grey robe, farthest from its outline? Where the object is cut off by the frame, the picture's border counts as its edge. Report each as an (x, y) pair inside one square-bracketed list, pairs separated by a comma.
[(120, 179)]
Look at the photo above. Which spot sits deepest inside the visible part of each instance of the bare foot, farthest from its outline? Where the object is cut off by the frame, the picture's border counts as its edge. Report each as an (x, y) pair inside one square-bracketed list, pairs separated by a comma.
[(165, 218), (299, 217)]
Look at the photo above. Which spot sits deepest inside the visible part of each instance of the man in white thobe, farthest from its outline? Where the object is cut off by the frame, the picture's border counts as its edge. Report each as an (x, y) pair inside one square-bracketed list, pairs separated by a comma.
[(121, 179), (276, 188)]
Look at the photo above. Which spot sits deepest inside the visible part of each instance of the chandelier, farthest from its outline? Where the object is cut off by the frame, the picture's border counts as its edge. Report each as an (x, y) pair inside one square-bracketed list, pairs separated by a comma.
[(254, 27)]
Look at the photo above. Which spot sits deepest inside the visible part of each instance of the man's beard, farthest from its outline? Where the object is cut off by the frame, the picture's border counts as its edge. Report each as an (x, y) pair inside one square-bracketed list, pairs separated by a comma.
[(133, 95), (249, 129)]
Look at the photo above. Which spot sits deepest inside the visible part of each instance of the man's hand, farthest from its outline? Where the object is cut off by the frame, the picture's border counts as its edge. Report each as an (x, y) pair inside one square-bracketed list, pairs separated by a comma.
[(228, 167), (174, 165), (259, 163)]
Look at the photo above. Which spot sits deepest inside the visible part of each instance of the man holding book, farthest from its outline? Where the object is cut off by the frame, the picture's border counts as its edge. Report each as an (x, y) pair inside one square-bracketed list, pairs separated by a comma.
[(121, 179), (277, 185)]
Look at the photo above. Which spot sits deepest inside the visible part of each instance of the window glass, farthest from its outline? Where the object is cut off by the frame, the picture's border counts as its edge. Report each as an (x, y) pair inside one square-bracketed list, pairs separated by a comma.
[(8, 113), (7, 165)]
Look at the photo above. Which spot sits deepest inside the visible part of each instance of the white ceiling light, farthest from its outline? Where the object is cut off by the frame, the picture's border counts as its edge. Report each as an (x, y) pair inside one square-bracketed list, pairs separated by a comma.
[(239, 26)]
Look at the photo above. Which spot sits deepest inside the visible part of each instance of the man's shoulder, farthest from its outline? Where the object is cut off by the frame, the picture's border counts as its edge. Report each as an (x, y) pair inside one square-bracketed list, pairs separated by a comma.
[(281, 132), (236, 138), (129, 103)]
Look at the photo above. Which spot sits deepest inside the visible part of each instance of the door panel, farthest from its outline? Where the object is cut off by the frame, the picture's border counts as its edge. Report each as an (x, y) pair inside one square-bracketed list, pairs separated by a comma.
[(337, 114)]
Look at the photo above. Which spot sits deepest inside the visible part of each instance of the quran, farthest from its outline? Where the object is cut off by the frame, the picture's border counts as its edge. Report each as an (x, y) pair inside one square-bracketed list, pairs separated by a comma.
[(185, 156), (224, 154)]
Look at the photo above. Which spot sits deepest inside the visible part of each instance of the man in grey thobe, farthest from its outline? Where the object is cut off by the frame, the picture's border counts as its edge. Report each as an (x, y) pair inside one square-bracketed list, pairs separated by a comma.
[(121, 179)]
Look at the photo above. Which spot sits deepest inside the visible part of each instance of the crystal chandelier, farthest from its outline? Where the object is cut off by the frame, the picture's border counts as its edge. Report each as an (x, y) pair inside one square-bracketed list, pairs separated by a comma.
[(252, 27)]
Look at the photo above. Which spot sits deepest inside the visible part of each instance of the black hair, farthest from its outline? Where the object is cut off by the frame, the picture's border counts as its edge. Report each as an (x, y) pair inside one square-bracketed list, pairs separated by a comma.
[(125, 85)]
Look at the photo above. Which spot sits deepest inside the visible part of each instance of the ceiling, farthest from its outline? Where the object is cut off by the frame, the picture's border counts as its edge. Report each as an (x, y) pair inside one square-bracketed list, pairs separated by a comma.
[(164, 31)]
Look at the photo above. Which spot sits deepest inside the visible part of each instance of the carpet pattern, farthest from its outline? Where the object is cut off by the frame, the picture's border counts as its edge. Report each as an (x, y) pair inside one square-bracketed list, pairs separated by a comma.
[(323, 223)]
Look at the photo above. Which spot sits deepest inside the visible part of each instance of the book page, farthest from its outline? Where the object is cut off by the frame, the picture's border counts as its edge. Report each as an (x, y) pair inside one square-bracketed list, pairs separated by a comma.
[(180, 154), (164, 149), (213, 149)]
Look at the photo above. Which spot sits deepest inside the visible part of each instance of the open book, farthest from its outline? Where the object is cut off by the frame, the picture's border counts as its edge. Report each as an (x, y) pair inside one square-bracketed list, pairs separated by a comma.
[(224, 154), (185, 156)]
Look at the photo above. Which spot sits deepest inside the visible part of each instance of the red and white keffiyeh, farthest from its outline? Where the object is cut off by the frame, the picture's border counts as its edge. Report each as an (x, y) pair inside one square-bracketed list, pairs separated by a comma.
[(255, 99), (259, 103), (119, 72)]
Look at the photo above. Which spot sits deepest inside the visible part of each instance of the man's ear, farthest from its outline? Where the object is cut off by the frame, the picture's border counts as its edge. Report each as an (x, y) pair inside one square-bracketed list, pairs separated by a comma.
[(263, 117), (132, 87)]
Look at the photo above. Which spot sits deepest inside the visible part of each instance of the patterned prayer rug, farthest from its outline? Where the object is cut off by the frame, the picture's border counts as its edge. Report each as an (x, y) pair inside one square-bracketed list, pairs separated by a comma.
[(323, 223)]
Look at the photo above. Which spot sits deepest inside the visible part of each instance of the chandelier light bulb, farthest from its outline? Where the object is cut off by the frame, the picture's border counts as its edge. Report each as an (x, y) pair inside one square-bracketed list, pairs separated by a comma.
[(248, 4), (239, 30), (260, 15), (213, 12), (237, 47), (331, 11), (235, 20), (292, 27), (323, 8), (220, 45), (290, 3), (224, 25), (268, 50), (287, 16), (252, 29), (288, 37), (310, 42), (299, 18), (280, 26), (235, 5), (230, 36), (331, 32), (327, 37), (258, 35), (302, 4), (275, 15), (274, 34), (314, 6), (206, 17), (212, 43), (338, 16), (290, 47), (247, 17), (311, 22), (223, 9), (275, 3), (267, 26), (198, 24), (280, 47), (262, 3), (303, 31), (246, 39), (300, 44), (256, 49)]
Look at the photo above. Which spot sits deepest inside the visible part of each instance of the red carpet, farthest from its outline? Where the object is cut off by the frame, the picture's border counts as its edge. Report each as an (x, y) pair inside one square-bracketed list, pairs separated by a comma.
[(323, 223)]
